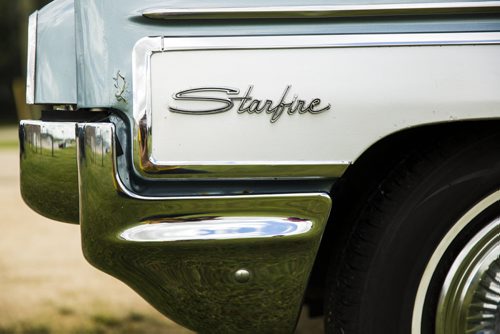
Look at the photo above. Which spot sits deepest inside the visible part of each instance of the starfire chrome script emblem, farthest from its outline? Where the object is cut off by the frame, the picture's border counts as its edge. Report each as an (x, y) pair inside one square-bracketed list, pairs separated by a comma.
[(226, 99)]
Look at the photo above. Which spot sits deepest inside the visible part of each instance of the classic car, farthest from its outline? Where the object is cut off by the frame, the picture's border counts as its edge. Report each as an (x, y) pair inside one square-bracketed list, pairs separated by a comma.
[(232, 161)]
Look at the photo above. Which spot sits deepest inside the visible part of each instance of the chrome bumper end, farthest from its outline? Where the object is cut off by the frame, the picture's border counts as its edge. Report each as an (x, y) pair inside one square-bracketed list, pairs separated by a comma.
[(211, 263), (49, 177)]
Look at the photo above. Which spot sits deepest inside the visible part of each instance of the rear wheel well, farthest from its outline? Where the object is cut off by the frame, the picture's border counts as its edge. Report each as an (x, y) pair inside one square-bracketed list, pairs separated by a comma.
[(350, 192)]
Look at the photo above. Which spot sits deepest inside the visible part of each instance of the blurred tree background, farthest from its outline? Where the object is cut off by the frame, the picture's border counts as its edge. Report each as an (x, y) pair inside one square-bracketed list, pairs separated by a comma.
[(14, 27)]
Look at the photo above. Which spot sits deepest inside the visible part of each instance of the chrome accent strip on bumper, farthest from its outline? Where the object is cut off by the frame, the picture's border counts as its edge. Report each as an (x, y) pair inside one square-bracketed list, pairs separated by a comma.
[(31, 68), (319, 12), (215, 228), (49, 182), (195, 279)]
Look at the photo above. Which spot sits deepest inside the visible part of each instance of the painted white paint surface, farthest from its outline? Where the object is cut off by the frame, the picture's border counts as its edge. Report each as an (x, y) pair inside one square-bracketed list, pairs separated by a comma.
[(374, 91)]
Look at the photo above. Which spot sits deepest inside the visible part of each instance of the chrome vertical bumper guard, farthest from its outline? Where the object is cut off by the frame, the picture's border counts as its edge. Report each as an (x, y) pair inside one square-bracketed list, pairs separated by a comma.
[(49, 178), (214, 263)]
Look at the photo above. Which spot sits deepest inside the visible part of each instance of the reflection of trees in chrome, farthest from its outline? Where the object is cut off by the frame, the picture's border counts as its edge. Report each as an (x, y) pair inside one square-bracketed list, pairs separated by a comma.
[(99, 147), (47, 144), (49, 181)]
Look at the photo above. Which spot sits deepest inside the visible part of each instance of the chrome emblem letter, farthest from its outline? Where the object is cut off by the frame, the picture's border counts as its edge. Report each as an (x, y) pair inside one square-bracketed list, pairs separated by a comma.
[(187, 95)]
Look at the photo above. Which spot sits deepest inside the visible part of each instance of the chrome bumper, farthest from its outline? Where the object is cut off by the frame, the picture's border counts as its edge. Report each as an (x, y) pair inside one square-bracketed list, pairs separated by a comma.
[(49, 178), (211, 263)]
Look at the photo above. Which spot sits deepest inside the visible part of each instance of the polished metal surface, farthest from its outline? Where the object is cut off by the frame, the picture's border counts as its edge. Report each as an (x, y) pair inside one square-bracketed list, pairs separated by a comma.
[(242, 275), (470, 299), (438, 254), (486, 319), (193, 279), (142, 127), (31, 68), (319, 12), (49, 181), (215, 228)]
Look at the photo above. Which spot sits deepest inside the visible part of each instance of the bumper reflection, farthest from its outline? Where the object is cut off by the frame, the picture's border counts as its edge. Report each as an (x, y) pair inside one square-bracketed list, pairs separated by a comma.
[(217, 229), (49, 180)]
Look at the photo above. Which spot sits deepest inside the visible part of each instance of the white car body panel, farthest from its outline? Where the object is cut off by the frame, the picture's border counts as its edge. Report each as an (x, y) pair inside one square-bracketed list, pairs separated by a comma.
[(373, 92)]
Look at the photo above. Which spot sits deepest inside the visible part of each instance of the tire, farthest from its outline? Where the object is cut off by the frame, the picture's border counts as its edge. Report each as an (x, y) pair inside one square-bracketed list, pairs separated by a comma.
[(407, 240)]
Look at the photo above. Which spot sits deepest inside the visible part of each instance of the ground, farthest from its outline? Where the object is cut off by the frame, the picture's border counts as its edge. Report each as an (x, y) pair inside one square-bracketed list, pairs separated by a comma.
[(46, 286)]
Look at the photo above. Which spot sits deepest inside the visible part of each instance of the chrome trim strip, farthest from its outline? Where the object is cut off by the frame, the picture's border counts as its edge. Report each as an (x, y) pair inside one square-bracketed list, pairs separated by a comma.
[(316, 12), (105, 134), (216, 228), (146, 166), (31, 66)]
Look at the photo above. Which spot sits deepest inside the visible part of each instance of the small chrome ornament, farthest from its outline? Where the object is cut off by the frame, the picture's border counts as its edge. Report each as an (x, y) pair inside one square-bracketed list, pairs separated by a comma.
[(247, 104), (242, 276), (120, 85)]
